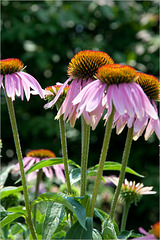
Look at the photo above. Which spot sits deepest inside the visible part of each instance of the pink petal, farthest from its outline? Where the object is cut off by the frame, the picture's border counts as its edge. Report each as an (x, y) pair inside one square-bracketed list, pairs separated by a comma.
[(147, 105), (117, 98), (18, 85), (1, 81), (59, 173), (96, 98), (127, 99), (48, 172), (10, 86), (50, 104), (32, 82)]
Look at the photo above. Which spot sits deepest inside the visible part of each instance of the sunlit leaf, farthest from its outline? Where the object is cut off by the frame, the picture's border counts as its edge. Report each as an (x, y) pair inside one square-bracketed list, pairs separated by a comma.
[(115, 166)]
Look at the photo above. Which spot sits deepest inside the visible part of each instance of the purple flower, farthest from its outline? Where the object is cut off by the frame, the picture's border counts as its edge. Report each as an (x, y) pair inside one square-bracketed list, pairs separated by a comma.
[(115, 85), (17, 82), (36, 156), (81, 70)]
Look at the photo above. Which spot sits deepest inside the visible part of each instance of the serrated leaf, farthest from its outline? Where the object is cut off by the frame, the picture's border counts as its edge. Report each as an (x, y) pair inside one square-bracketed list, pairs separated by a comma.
[(125, 234), (10, 218), (78, 231), (54, 215), (115, 166), (79, 210), (4, 174)]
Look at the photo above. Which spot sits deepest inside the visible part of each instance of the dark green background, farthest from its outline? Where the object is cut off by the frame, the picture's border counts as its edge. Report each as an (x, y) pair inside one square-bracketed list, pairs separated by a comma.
[(45, 35)]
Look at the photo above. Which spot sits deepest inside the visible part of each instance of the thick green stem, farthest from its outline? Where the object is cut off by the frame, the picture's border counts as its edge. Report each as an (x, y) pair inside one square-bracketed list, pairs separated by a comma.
[(125, 215), (20, 159), (102, 160), (38, 180), (125, 157), (84, 155), (64, 150)]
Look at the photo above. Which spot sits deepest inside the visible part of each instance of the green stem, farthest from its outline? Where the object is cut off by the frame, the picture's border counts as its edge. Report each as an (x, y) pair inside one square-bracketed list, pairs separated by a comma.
[(64, 150), (20, 159), (84, 155), (39, 177), (102, 160), (125, 215), (125, 157)]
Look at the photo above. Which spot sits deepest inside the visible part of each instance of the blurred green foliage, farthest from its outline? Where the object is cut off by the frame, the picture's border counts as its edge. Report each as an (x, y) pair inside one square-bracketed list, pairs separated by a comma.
[(45, 35)]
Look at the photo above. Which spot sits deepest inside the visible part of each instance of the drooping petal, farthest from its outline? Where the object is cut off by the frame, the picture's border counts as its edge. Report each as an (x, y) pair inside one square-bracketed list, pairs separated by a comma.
[(147, 104), (59, 173), (10, 86), (18, 85), (1, 80), (117, 98), (50, 104), (32, 82), (48, 172), (96, 98)]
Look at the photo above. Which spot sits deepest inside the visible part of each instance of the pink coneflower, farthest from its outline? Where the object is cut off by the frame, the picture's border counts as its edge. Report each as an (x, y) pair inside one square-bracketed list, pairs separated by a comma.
[(131, 191), (153, 234), (16, 81), (151, 87), (51, 92), (81, 71), (36, 156), (115, 85)]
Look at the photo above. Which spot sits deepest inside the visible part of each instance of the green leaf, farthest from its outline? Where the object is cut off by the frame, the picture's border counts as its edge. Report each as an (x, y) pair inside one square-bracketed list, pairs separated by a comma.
[(18, 227), (125, 234), (6, 191), (16, 209), (115, 166), (48, 163), (78, 231), (54, 215), (108, 229), (3, 212), (79, 210), (75, 175), (4, 174), (96, 234), (10, 218)]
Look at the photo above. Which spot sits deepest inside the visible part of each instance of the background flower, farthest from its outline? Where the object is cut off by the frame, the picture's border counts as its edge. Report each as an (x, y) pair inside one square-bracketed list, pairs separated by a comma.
[(131, 191), (36, 156)]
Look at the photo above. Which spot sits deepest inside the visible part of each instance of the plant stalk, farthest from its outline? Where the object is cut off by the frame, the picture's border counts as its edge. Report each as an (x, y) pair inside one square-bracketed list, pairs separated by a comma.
[(103, 155), (84, 155), (20, 160), (125, 215), (125, 158), (38, 180), (64, 150)]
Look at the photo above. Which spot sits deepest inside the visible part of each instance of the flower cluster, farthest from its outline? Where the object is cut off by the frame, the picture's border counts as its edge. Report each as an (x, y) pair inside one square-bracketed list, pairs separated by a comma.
[(99, 84)]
